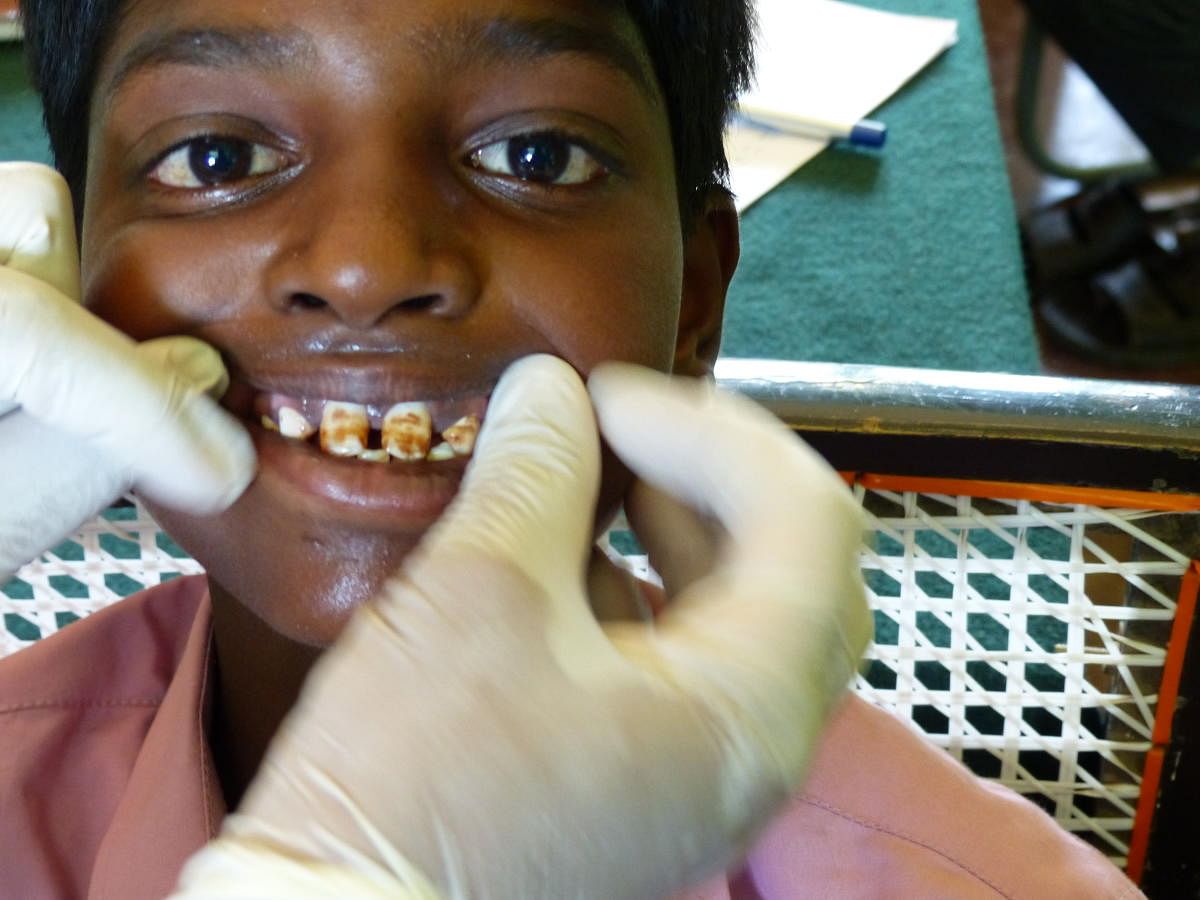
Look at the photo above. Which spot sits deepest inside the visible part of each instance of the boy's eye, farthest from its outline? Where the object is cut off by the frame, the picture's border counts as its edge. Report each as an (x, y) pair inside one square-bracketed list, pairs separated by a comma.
[(211, 161), (542, 158)]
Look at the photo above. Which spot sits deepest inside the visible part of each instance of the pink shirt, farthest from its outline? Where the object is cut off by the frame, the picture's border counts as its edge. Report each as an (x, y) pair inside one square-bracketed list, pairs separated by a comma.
[(107, 785)]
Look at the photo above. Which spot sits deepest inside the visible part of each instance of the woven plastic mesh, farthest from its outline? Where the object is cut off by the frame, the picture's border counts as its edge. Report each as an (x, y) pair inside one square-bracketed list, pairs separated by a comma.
[(116, 554), (1027, 639)]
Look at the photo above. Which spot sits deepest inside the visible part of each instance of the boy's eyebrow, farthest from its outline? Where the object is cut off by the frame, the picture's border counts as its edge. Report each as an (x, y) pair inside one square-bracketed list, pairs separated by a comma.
[(214, 48), (501, 39), (514, 39)]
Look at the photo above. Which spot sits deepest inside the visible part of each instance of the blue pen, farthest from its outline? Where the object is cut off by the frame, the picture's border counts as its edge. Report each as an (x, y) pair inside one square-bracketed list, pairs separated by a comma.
[(860, 133)]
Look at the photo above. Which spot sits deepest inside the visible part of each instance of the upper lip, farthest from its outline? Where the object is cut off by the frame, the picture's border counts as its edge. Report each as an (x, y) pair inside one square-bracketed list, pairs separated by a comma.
[(369, 379)]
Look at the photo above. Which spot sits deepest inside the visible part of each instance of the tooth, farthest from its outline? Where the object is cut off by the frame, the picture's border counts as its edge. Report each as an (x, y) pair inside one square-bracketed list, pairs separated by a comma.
[(292, 424), (344, 428), (407, 431), (441, 453), (375, 456), (461, 435), (269, 424)]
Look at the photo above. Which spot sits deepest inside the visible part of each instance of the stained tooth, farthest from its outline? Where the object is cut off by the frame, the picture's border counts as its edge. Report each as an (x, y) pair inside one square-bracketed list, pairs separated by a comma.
[(344, 428), (269, 424), (292, 424), (375, 456), (461, 435), (407, 431), (441, 453)]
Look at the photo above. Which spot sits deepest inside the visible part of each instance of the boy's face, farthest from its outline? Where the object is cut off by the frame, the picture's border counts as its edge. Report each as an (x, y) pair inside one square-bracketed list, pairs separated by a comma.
[(378, 202)]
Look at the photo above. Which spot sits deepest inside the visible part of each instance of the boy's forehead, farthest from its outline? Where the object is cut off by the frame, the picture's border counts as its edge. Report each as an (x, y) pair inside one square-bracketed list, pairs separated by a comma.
[(443, 35)]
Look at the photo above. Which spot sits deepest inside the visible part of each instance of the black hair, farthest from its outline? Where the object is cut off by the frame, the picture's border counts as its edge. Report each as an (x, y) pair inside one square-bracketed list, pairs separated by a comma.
[(703, 56), (701, 50)]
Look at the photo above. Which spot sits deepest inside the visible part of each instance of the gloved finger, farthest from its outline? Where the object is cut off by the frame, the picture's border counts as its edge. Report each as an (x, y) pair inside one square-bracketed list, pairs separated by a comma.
[(725, 457), (198, 458), (682, 545), (37, 226), (80, 375), (772, 635), (529, 495), (194, 360)]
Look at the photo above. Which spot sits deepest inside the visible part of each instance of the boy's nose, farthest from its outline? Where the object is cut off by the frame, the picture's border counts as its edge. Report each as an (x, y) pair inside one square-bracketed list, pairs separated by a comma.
[(366, 249)]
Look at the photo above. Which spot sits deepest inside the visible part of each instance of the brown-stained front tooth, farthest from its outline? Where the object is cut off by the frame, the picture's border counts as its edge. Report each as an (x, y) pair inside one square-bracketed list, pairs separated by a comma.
[(293, 424), (441, 453), (407, 431), (344, 428), (269, 424), (375, 456), (462, 434)]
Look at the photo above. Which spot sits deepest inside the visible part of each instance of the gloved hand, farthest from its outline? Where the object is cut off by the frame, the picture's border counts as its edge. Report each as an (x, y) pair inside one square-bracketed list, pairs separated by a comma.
[(98, 412), (476, 733)]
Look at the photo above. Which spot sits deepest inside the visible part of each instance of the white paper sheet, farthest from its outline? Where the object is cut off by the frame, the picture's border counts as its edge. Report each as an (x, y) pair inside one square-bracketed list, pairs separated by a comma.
[(9, 29), (828, 60)]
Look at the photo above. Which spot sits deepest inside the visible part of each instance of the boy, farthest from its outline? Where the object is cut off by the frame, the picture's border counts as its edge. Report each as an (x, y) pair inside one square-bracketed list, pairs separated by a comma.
[(363, 205)]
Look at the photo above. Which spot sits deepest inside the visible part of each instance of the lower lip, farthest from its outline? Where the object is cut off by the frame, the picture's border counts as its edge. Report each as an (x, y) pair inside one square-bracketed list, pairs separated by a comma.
[(386, 496)]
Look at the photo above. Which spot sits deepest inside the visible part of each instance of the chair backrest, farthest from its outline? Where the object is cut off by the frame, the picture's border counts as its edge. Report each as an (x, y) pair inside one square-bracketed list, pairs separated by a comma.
[(1028, 89)]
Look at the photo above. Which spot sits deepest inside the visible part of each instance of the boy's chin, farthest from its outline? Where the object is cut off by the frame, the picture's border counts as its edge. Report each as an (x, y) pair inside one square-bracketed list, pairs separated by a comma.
[(301, 577), (304, 577)]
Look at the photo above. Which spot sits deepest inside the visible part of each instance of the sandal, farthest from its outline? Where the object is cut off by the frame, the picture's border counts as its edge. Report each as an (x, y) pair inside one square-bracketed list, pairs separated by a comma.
[(1142, 313), (1085, 233)]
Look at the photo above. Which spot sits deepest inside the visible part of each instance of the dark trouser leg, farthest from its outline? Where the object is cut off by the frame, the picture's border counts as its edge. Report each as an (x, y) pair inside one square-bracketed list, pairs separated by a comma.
[(1144, 55)]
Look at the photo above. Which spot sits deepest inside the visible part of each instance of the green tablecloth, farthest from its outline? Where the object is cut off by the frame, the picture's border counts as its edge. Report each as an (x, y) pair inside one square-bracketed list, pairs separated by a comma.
[(21, 132), (905, 257)]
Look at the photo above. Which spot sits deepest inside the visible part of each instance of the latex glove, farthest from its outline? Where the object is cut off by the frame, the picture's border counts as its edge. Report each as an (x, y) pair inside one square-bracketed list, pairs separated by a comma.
[(476, 733), (98, 412)]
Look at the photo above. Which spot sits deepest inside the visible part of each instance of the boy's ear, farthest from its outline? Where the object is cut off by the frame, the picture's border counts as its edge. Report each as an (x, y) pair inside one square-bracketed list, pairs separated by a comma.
[(710, 256)]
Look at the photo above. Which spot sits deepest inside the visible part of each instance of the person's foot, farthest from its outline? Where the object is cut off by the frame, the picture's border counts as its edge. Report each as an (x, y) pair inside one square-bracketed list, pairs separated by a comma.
[(1115, 273)]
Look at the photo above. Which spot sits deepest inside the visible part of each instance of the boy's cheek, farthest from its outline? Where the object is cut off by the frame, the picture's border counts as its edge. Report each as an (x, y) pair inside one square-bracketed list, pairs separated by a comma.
[(150, 285)]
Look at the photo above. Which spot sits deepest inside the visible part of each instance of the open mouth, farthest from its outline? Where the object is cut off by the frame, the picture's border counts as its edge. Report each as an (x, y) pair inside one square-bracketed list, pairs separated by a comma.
[(409, 431), (372, 452)]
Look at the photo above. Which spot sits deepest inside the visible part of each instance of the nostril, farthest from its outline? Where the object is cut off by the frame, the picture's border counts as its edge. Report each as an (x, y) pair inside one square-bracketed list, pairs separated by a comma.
[(306, 301), (418, 304), (301, 301)]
